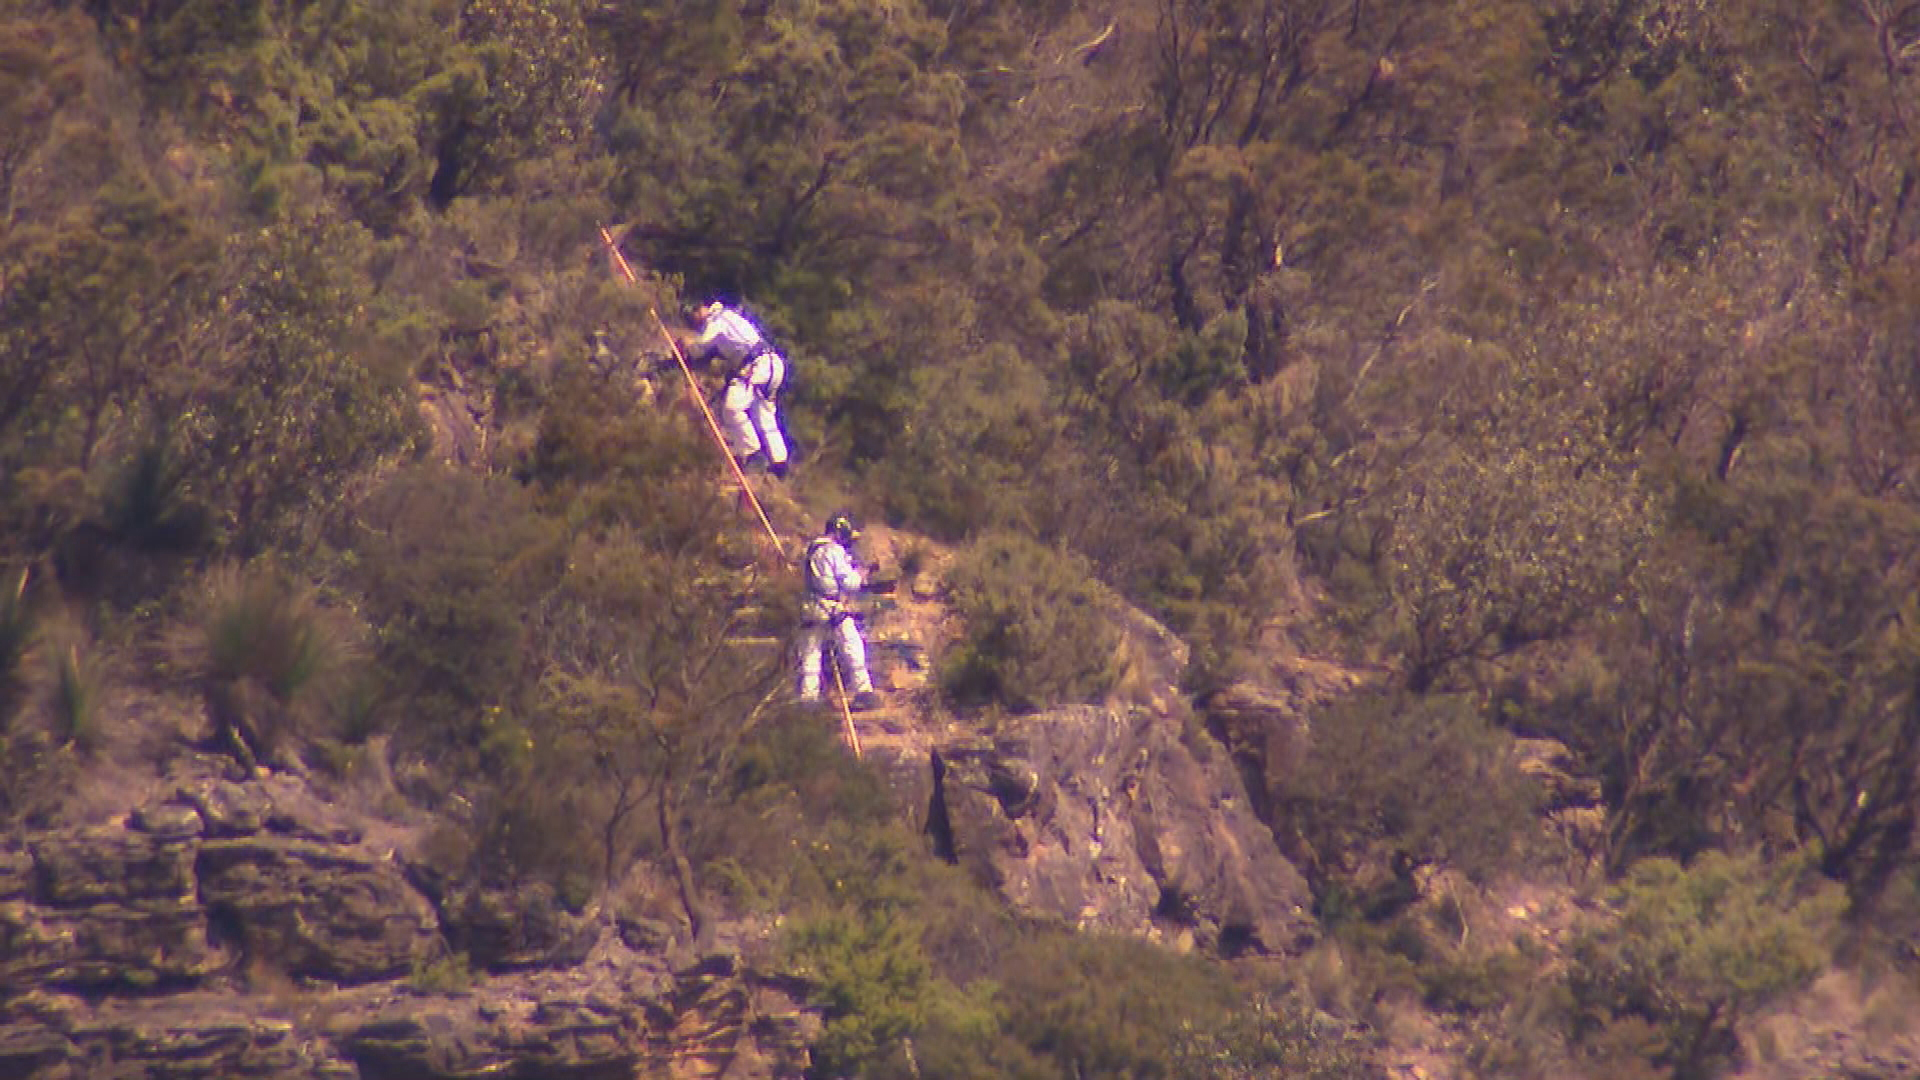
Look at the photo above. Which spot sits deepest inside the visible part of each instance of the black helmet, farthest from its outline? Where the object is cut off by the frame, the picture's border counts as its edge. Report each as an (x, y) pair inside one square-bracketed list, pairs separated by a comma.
[(840, 528)]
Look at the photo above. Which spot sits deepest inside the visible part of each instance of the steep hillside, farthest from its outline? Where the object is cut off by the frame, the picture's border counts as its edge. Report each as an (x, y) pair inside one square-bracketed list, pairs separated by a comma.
[(1405, 517), (179, 914)]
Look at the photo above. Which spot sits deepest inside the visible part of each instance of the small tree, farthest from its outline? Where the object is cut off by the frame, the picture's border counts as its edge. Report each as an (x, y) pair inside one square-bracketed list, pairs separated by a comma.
[(1406, 782), (648, 684)]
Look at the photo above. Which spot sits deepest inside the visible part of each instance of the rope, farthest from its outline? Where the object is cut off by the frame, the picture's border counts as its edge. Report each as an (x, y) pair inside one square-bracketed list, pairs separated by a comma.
[(846, 710), (693, 391), (733, 463)]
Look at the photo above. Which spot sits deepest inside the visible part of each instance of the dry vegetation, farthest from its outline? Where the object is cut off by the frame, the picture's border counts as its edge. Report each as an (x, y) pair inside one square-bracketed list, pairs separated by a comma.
[(1552, 361)]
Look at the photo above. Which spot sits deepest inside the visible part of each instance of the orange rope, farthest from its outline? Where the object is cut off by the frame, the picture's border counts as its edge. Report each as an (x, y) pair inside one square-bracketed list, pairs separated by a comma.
[(840, 684), (733, 463), (693, 391)]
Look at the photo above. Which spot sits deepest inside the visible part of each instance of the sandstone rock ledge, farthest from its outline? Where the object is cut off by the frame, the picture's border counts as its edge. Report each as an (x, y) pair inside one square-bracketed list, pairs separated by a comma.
[(213, 936)]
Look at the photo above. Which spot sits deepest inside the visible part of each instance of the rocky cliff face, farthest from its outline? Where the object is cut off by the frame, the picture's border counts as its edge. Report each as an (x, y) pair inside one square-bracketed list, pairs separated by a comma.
[(1119, 819), (1125, 816), (224, 927), (239, 930)]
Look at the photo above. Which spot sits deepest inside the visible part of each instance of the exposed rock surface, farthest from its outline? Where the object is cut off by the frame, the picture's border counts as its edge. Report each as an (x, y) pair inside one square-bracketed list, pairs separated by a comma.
[(240, 930), (315, 909), (515, 929), (1842, 1026), (1121, 819), (230, 927), (103, 907), (1127, 817)]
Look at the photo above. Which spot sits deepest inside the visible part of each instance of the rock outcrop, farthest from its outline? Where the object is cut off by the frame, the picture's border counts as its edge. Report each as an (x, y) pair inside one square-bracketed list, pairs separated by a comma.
[(252, 928), (1121, 819), (235, 930), (1127, 817)]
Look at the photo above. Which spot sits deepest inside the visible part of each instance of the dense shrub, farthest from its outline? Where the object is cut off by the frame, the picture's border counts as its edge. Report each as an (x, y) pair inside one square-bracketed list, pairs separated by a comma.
[(449, 564), (871, 977), (1043, 1002), (1093, 1006), (965, 457), (1396, 781), (1039, 630), (1689, 951), (1492, 552)]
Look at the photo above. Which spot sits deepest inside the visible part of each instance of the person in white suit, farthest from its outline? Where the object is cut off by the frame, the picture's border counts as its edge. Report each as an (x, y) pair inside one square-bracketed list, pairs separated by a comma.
[(749, 413), (833, 581)]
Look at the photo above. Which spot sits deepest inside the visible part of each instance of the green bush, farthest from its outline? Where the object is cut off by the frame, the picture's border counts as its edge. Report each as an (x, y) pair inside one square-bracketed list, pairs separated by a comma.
[(450, 973), (1039, 630), (1465, 982), (1401, 781), (1040, 1001), (1494, 551), (449, 564), (871, 977), (651, 470), (963, 457), (1111, 1006), (1690, 951), (535, 819)]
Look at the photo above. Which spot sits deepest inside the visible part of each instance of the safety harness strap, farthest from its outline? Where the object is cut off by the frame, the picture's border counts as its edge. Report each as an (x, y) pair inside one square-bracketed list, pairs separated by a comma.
[(814, 585)]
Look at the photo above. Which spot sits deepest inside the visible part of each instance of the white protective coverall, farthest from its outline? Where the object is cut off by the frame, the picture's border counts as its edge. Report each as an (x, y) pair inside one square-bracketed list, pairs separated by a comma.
[(756, 372), (833, 580)]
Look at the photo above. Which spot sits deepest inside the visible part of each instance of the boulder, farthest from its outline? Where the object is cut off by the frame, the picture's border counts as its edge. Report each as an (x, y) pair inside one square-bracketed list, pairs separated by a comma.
[(113, 952), (1119, 819), (500, 1032), (317, 910), (16, 875), (167, 821), (714, 1018), (229, 809), (32, 1049), (502, 929), (104, 907), (191, 1037), (110, 864), (138, 945)]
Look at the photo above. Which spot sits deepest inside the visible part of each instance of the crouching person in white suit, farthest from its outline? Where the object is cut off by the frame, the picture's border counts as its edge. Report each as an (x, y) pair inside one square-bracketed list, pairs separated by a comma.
[(749, 412)]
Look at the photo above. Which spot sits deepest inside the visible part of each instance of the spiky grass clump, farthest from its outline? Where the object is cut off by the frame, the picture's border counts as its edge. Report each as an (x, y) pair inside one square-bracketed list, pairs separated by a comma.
[(147, 506), (257, 625), (264, 650), (16, 638), (78, 686)]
